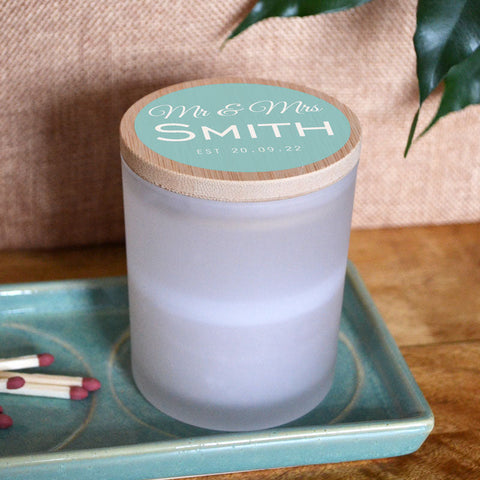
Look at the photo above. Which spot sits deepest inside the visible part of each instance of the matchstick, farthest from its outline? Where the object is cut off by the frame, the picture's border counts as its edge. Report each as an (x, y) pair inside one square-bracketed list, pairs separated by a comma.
[(28, 361), (52, 391), (88, 383)]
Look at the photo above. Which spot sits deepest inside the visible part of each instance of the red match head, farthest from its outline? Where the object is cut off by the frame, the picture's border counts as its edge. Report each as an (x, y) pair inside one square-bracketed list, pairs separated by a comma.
[(5, 421), (15, 382), (78, 393), (91, 384), (45, 359)]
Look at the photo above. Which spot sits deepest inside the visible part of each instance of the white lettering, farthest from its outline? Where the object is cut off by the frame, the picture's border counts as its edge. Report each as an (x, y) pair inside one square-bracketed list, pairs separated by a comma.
[(232, 128), (302, 130), (177, 132), (252, 131), (276, 130), (268, 106), (166, 111), (161, 129), (230, 110)]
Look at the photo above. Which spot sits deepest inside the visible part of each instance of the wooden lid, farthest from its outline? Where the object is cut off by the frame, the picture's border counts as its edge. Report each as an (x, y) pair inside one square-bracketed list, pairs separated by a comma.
[(240, 139)]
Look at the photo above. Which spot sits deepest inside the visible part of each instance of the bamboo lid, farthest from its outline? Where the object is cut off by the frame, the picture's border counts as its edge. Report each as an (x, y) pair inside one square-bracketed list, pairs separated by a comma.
[(240, 139)]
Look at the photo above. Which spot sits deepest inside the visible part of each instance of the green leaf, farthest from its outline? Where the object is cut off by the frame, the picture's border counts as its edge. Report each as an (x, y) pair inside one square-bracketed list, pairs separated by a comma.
[(293, 8), (462, 88), (412, 133), (448, 31)]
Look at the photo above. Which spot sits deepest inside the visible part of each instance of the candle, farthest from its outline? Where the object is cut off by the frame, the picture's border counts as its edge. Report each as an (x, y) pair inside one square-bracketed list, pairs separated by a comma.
[(238, 198)]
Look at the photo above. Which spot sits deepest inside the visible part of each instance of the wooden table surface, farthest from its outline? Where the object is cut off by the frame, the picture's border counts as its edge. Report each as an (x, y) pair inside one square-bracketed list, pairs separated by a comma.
[(426, 283)]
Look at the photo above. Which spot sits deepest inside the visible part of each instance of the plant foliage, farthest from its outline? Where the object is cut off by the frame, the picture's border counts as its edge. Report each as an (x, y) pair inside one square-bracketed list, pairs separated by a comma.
[(293, 8), (446, 41), (447, 45)]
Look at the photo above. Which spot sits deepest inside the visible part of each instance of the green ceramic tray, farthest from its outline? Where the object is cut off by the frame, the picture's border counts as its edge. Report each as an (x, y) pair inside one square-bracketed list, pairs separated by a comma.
[(375, 409)]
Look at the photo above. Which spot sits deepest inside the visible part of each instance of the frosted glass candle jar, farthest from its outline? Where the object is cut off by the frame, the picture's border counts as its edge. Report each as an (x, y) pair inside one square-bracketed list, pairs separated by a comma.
[(238, 198)]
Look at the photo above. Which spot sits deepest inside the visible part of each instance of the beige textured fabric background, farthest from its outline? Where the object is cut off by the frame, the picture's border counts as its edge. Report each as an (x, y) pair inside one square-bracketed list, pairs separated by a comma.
[(70, 69)]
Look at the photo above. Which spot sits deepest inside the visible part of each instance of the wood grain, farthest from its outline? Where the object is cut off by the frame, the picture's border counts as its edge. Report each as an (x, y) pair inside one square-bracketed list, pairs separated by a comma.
[(425, 280), (68, 263), (426, 283)]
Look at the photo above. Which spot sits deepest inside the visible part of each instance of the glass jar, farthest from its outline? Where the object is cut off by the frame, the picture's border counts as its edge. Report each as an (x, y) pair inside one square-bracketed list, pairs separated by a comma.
[(236, 274)]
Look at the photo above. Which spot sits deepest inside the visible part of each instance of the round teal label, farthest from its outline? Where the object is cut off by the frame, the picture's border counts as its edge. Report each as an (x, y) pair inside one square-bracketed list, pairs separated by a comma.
[(238, 127)]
